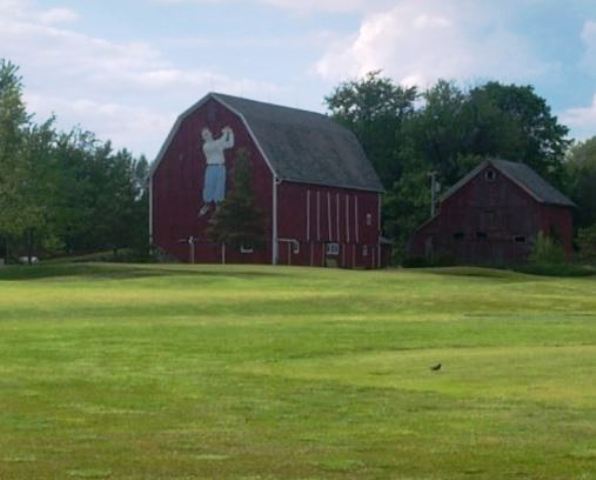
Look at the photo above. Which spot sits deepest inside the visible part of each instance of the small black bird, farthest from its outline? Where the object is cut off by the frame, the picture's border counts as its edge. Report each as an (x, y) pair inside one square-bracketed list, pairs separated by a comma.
[(436, 367)]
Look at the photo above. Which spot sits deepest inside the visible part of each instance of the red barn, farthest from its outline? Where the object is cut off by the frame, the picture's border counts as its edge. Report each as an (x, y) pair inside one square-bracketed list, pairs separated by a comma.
[(493, 216), (320, 195)]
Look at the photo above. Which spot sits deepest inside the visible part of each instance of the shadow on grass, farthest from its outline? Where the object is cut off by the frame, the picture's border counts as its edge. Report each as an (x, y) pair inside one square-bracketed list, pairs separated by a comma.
[(105, 271), (519, 273)]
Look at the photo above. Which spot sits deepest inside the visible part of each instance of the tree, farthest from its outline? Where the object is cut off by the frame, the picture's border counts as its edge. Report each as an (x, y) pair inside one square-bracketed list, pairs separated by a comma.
[(586, 240), (64, 191), (581, 180), (13, 123), (21, 208), (238, 221), (515, 123), (374, 109), (449, 132)]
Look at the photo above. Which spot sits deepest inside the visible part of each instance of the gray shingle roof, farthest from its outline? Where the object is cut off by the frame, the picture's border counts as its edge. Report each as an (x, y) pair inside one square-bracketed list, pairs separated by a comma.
[(522, 175), (305, 146)]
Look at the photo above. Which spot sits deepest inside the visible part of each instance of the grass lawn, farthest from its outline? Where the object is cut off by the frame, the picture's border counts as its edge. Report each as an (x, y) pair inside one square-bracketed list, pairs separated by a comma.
[(181, 372)]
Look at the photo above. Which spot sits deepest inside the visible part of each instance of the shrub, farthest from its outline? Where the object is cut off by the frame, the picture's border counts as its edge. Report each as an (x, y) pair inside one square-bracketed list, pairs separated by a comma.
[(547, 251), (556, 270), (586, 240)]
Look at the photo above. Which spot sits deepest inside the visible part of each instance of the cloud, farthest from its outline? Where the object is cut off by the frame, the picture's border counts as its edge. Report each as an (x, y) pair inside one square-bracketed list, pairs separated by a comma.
[(308, 6), (582, 120), (300, 6), (418, 42), (125, 91), (58, 15), (125, 125)]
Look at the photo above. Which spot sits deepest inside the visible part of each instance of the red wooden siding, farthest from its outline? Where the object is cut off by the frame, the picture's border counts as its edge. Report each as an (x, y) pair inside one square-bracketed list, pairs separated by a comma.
[(316, 215)]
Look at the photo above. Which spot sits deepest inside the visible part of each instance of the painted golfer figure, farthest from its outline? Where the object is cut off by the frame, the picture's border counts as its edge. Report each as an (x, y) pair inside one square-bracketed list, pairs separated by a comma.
[(214, 187)]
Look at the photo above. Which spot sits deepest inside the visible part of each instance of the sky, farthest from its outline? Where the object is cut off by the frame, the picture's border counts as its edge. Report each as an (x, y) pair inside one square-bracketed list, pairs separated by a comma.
[(126, 69)]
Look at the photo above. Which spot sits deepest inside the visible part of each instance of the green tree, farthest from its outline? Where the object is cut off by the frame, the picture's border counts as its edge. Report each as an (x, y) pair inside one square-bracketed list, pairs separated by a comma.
[(13, 172), (374, 109), (22, 178), (238, 221), (64, 191), (449, 132), (581, 180), (586, 240), (513, 122)]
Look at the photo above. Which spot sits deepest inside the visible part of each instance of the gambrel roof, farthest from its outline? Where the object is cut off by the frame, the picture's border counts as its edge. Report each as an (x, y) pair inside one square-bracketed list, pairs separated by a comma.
[(523, 176), (299, 145)]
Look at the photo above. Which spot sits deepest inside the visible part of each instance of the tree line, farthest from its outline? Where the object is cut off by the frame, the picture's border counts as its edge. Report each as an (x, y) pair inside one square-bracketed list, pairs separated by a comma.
[(64, 193), (71, 193), (447, 130)]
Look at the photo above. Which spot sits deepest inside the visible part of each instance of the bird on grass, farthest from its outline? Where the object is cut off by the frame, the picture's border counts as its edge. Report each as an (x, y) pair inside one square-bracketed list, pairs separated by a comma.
[(436, 368)]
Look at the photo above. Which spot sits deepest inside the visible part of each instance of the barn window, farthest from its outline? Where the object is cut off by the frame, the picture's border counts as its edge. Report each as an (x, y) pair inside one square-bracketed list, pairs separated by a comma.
[(368, 219), (365, 251), (458, 235), (246, 249), (481, 235), (332, 248), (490, 175), (519, 239)]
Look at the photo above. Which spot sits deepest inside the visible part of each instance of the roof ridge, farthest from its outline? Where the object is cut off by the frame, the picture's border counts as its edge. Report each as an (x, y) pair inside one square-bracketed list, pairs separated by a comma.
[(270, 104), (521, 174)]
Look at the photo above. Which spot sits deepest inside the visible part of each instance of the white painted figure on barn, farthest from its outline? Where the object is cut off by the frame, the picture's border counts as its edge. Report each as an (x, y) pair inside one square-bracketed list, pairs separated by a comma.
[(214, 186)]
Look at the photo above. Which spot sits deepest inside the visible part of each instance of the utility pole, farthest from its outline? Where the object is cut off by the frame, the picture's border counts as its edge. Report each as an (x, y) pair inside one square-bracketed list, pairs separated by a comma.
[(191, 244), (435, 187)]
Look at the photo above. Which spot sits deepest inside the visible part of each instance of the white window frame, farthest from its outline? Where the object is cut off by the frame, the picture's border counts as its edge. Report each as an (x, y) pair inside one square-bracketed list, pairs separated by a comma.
[(332, 248)]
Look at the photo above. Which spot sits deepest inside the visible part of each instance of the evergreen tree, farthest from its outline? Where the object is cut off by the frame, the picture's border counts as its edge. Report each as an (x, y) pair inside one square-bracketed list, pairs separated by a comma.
[(238, 221)]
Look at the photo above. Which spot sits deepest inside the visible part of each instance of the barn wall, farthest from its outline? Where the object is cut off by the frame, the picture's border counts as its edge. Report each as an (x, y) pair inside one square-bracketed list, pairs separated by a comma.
[(315, 215), (484, 222), (178, 184), (558, 222)]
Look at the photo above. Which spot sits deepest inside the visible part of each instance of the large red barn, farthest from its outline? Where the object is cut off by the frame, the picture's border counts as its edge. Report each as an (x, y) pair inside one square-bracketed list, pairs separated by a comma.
[(493, 216), (320, 195)]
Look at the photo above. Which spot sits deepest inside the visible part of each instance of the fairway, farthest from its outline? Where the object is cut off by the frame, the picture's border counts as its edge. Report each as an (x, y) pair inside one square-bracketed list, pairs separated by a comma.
[(247, 372)]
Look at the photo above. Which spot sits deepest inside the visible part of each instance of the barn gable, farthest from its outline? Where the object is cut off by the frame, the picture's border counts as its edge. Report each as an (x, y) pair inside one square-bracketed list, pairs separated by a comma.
[(299, 146), (523, 176)]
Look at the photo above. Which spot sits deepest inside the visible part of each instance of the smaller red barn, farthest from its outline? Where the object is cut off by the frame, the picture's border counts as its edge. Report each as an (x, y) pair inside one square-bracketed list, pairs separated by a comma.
[(493, 216)]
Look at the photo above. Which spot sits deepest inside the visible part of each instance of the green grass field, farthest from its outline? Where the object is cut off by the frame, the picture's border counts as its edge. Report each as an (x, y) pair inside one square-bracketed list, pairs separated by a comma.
[(181, 372)]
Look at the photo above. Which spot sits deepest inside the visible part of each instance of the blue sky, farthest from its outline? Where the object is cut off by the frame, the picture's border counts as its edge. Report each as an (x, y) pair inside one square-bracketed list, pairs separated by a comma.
[(125, 69)]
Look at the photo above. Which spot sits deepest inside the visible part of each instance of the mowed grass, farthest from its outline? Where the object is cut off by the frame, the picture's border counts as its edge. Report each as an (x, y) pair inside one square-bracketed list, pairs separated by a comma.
[(181, 372)]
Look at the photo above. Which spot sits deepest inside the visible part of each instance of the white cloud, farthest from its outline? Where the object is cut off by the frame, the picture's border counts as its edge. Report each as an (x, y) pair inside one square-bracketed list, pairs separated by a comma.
[(126, 126), (124, 91), (307, 6), (58, 15), (301, 6), (418, 42), (582, 120)]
